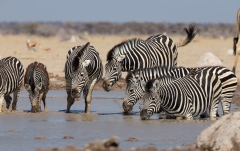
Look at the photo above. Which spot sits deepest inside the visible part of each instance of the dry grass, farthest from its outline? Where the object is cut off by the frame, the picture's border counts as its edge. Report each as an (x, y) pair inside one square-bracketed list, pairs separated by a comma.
[(55, 57)]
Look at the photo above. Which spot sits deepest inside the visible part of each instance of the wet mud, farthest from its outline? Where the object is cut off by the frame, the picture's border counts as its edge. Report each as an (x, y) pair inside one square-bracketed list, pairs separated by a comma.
[(23, 130)]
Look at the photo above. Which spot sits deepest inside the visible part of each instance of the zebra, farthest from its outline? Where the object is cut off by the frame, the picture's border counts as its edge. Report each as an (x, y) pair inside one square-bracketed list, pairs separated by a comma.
[(157, 50), (83, 69), (235, 41), (36, 82), (136, 82), (185, 97), (11, 78)]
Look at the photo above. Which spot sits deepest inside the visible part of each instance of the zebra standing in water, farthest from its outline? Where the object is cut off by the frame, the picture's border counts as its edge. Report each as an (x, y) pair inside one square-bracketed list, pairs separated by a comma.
[(157, 50), (185, 97), (83, 69), (136, 81), (11, 78), (36, 82)]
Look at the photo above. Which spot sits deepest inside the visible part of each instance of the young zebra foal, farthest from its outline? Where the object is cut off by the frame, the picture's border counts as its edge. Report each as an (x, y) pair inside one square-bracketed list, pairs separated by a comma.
[(36, 82), (83, 69), (11, 78)]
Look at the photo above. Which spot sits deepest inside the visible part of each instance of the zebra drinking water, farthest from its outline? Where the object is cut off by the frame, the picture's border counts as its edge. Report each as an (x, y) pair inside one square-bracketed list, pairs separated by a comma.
[(136, 81), (157, 50), (83, 69), (11, 78), (36, 82), (183, 97)]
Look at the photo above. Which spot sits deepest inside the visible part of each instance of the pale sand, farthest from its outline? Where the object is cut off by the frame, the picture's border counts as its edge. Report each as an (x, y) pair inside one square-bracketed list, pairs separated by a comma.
[(55, 58)]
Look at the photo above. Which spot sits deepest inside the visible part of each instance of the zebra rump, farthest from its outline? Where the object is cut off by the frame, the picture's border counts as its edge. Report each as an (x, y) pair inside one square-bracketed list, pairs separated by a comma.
[(157, 50), (185, 97), (83, 69), (36, 82), (11, 78)]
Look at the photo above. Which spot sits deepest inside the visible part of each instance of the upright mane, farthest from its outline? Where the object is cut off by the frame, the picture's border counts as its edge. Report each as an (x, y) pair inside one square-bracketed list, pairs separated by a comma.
[(157, 69), (83, 51), (162, 79), (149, 85), (31, 76), (114, 51)]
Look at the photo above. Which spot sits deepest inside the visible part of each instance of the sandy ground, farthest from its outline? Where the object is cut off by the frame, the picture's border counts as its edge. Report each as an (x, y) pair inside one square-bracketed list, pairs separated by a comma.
[(55, 58)]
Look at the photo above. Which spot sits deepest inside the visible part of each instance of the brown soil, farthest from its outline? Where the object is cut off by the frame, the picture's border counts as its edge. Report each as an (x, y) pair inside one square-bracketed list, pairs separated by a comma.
[(110, 144)]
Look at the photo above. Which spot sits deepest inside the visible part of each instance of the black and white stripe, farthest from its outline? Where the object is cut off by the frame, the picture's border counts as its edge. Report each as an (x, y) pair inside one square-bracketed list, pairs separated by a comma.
[(83, 69), (136, 82), (157, 50), (11, 78), (183, 97)]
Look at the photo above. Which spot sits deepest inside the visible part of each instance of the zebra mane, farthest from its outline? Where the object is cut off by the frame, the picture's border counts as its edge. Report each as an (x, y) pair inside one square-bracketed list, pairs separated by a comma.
[(71, 50), (149, 84), (121, 48), (80, 54), (31, 76), (157, 68)]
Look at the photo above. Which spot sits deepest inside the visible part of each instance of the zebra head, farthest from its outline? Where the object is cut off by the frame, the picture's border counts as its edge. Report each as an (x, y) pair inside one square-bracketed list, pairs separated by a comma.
[(80, 78), (34, 95), (113, 71), (80, 74), (151, 100), (134, 91)]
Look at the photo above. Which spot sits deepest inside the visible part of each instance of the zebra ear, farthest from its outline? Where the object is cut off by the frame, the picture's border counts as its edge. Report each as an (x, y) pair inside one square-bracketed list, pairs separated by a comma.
[(120, 58), (39, 86), (86, 63), (27, 87), (156, 84)]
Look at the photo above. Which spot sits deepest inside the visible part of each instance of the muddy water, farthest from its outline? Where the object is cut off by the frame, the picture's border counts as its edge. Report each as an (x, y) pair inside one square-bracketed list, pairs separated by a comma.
[(22, 130)]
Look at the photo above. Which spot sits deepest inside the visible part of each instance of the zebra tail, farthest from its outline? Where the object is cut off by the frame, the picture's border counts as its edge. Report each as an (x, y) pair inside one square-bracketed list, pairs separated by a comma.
[(191, 33)]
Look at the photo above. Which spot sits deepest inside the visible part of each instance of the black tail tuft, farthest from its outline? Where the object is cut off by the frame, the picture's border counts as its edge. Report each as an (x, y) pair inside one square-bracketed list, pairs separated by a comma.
[(191, 33)]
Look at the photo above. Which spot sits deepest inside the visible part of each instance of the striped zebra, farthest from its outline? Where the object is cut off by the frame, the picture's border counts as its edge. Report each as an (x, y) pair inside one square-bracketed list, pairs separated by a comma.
[(157, 50), (83, 69), (185, 97), (235, 41), (136, 82), (36, 82), (11, 78)]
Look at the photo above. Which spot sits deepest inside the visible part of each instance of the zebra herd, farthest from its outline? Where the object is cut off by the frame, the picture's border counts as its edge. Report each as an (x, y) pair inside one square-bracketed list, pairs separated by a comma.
[(153, 75)]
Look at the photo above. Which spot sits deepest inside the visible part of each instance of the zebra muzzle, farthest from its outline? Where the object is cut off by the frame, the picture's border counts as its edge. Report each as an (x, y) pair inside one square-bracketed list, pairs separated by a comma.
[(126, 106), (34, 109), (107, 85), (144, 114), (75, 93)]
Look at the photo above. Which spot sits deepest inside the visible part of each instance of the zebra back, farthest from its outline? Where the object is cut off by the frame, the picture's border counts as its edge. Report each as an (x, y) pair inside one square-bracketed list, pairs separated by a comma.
[(11, 74)]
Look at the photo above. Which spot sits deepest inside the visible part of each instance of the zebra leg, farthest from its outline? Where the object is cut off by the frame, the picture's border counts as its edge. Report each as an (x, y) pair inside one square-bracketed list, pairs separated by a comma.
[(44, 102), (70, 101), (226, 104), (39, 102), (188, 117), (1, 103), (15, 98), (88, 95), (8, 99)]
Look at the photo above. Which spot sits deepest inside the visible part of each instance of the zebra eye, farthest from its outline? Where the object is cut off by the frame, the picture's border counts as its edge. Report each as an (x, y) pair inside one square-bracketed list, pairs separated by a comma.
[(153, 98), (131, 90), (114, 68), (81, 74)]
